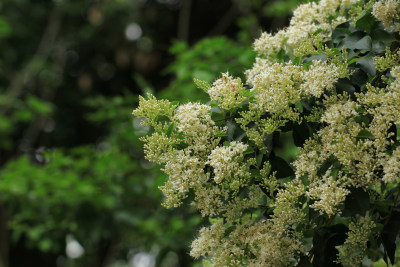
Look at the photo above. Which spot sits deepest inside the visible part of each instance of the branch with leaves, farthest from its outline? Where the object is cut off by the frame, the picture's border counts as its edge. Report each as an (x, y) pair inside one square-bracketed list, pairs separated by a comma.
[(313, 80)]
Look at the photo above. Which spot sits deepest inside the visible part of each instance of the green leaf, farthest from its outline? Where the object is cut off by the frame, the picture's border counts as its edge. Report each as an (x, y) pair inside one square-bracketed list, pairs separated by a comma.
[(359, 78), (324, 244), (299, 106), (357, 202), (352, 60), (304, 262), (170, 129), (326, 165), (360, 110), (231, 130), (340, 32), (366, 63), (308, 62), (389, 234), (281, 167), (362, 120), (268, 141), (344, 27), (378, 47), (365, 134), (5, 28), (259, 159), (217, 116), (239, 134), (297, 61), (366, 21), (178, 48), (345, 85), (289, 50), (318, 31), (214, 104), (364, 44), (45, 244), (383, 205), (351, 40), (174, 103), (380, 40), (38, 105), (300, 133), (221, 134), (382, 36), (306, 105), (249, 150), (248, 93)]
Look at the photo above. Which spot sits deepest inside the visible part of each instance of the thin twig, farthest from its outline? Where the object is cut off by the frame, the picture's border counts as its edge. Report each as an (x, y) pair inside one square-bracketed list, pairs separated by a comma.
[(224, 119), (42, 53), (184, 20)]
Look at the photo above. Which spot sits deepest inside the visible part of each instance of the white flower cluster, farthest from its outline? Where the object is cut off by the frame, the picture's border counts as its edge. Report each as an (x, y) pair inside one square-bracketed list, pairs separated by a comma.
[(278, 86), (309, 159), (388, 11), (213, 201), (227, 163), (391, 167), (260, 243), (359, 147), (189, 125), (256, 215), (328, 195), (307, 19), (184, 172), (275, 87), (352, 252), (227, 91), (209, 238), (319, 77), (193, 120), (152, 108)]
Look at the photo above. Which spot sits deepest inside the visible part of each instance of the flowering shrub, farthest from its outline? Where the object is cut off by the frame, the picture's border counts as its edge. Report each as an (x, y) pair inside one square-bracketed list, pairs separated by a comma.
[(332, 80)]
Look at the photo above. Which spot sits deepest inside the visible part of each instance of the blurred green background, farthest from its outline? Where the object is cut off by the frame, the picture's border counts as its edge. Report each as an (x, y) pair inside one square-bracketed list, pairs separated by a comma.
[(75, 189)]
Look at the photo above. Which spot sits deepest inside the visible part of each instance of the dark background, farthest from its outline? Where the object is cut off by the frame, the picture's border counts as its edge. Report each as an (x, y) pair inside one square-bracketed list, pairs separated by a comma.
[(72, 171)]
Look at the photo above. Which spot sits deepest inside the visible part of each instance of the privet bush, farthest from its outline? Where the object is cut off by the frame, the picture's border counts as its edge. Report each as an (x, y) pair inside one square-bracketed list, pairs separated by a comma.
[(332, 80)]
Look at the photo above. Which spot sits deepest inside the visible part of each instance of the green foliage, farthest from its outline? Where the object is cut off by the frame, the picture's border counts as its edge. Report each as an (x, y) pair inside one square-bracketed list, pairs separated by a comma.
[(80, 193), (86, 193), (283, 8), (204, 61), (5, 28), (56, 193)]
